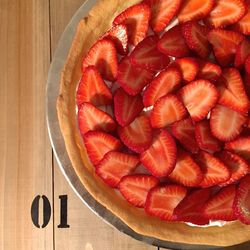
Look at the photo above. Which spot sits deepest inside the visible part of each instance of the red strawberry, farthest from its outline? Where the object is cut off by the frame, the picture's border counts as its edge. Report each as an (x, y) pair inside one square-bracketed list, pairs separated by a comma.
[(226, 12), (131, 78), (146, 55), (119, 35), (172, 43), (241, 203), (195, 35), (246, 80), (164, 148), (224, 44), (237, 166), (225, 123), (247, 64), (98, 143), (114, 166), (214, 170), (194, 10), (162, 200), (184, 131), (103, 55), (137, 135), (220, 206), (190, 208), (186, 172), (162, 12), (167, 110), (135, 188), (92, 118), (136, 18), (93, 89), (205, 139), (166, 82), (209, 71), (199, 97), (242, 51)]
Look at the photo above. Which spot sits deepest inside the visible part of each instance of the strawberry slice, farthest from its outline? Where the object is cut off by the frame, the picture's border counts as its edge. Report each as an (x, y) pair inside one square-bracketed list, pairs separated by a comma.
[(92, 118), (184, 131), (242, 52), (195, 35), (186, 172), (136, 18), (209, 71), (194, 10), (247, 64), (172, 43), (137, 135), (226, 12), (114, 166), (147, 56), (189, 68), (225, 123), (165, 83), (98, 143), (167, 110), (199, 97), (119, 35), (220, 206), (242, 201), (103, 55), (126, 107), (205, 139), (190, 208), (224, 44), (135, 188), (131, 78), (165, 148), (214, 170), (237, 166), (93, 89), (162, 200)]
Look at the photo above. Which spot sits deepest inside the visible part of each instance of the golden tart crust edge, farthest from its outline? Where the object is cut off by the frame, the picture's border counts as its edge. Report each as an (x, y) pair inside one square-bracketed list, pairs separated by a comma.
[(88, 31)]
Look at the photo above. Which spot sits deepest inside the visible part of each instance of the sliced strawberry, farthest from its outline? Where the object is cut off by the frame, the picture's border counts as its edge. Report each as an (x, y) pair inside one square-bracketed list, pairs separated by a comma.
[(131, 78), (162, 200), (194, 10), (220, 206), (147, 56), (209, 71), (199, 97), (237, 166), (195, 35), (172, 43), (205, 139), (166, 82), (167, 110), (136, 18), (98, 143), (184, 131), (226, 12), (225, 123), (119, 35), (165, 148), (93, 89), (114, 166), (224, 44), (135, 188), (190, 208), (103, 55), (137, 135), (247, 64), (242, 201), (186, 172), (242, 52), (214, 170)]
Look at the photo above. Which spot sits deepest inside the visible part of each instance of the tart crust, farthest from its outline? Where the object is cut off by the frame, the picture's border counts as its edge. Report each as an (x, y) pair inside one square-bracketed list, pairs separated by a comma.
[(88, 31)]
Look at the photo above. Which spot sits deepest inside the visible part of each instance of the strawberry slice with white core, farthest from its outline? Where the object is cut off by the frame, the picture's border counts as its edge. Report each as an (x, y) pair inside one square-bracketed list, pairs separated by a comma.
[(164, 147), (114, 166), (242, 52), (162, 200), (135, 188), (167, 110), (209, 71), (199, 97)]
